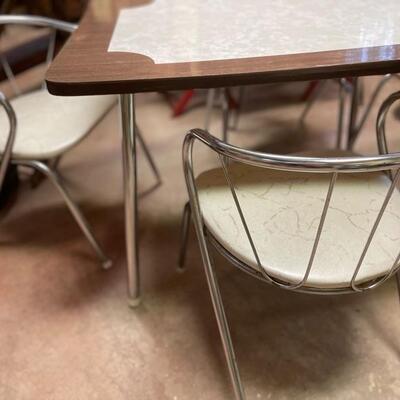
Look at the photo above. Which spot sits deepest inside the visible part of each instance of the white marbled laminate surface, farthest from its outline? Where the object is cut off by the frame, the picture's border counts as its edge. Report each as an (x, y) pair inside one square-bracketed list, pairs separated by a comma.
[(171, 31)]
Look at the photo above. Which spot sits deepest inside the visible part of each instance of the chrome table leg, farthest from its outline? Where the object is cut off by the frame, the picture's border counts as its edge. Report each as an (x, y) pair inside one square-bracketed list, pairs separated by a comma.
[(127, 108)]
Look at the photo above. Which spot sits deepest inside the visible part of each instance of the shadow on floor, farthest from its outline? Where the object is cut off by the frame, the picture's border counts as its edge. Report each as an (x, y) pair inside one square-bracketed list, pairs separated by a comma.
[(283, 340)]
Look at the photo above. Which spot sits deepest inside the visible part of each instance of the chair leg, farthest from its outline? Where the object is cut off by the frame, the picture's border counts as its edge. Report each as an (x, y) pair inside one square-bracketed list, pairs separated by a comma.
[(209, 107), (398, 283), (212, 279), (148, 155), (368, 108), (241, 97), (312, 100), (212, 94), (73, 207), (185, 228), (37, 177), (352, 131), (225, 115), (222, 323), (342, 100)]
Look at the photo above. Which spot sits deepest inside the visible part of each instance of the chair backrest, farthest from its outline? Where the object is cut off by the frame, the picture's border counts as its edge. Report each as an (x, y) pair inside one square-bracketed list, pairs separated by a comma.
[(54, 26), (388, 164)]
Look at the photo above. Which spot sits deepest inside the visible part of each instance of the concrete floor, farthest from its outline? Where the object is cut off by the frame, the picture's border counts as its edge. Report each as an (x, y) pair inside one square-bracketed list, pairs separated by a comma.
[(66, 331)]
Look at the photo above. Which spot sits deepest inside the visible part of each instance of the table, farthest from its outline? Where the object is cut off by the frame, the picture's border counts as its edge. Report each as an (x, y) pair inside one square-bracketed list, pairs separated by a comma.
[(85, 67)]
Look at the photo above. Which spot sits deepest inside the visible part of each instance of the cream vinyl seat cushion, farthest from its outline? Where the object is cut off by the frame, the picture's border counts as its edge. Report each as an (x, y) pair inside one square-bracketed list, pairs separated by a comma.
[(49, 125), (283, 210)]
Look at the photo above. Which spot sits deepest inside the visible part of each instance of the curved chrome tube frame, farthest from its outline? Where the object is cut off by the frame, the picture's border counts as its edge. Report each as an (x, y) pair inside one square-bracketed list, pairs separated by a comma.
[(381, 122), (83, 224), (38, 21), (291, 162), (332, 166)]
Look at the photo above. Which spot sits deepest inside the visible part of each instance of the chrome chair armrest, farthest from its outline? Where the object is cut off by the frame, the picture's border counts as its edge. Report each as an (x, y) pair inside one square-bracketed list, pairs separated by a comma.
[(38, 21), (381, 122), (6, 156)]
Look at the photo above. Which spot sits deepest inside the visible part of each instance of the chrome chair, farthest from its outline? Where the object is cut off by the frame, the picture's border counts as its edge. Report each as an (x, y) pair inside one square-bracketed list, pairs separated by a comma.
[(307, 223), (346, 88), (42, 127), (230, 118)]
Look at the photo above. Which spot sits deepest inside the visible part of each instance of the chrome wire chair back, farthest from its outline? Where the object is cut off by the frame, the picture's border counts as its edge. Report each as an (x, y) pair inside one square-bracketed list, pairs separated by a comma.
[(53, 25), (228, 155)]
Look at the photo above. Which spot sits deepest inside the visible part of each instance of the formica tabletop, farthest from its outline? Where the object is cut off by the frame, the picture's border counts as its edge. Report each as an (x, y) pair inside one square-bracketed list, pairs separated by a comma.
[(288, 40)]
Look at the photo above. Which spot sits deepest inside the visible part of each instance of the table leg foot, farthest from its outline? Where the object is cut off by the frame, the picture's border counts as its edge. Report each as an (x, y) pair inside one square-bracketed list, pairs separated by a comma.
[(134, 302)]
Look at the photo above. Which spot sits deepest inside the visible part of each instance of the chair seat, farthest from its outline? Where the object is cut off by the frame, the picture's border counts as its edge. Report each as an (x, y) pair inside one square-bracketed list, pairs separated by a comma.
[(282, 211), (49, 125)]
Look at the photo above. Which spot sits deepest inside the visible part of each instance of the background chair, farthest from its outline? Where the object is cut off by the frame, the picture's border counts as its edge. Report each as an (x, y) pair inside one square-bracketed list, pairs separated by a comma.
[(317, 87), (229, 105), (43, 127), (346, 87), (308, 223)]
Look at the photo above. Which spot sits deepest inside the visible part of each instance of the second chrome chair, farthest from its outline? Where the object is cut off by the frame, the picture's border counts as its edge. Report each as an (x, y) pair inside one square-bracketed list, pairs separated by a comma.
[(37, 129), (306, 223)]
